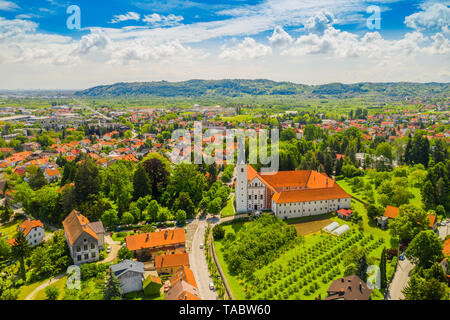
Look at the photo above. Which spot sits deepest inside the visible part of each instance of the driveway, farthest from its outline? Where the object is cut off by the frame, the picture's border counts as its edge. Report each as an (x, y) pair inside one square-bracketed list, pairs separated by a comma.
[(400, 280), (198, 263)]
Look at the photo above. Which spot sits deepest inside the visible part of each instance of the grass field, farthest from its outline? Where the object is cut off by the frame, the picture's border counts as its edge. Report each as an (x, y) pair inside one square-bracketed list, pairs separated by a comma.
[(228, 209), (26, 290), (60, 284)]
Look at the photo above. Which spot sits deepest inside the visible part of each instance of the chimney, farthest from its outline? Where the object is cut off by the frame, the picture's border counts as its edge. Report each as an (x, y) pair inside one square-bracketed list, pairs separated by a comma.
[(147, 237), (165, 234), (360, 288)]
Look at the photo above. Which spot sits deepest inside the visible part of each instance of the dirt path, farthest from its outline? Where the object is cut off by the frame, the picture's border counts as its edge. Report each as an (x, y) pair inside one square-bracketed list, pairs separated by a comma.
[(44, 285)]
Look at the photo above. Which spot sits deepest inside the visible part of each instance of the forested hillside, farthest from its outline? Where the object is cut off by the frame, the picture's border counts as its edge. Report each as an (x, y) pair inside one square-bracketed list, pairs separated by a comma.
[(239, 87)]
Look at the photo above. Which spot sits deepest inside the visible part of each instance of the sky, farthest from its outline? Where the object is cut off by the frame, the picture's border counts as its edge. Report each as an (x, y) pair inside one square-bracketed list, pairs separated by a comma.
[(46, 44)]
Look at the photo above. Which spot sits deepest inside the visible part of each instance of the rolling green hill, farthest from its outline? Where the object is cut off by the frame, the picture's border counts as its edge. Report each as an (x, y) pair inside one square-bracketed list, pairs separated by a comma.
[(260, 87)]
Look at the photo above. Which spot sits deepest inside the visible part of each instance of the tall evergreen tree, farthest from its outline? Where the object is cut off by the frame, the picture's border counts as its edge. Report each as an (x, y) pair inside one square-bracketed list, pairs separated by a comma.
[(20, 251), (383, 277), (141, 183), (112, 288), (361, 267)]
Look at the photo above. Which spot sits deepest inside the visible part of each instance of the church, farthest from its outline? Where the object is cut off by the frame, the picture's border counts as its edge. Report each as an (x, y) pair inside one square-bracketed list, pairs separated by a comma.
[(288, 194)]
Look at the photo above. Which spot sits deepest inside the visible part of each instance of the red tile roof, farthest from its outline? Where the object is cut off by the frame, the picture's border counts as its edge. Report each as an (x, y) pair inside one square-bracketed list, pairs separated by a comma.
[(156, 239), (391, 212), (28, 225), (172, 260), (75, 224)]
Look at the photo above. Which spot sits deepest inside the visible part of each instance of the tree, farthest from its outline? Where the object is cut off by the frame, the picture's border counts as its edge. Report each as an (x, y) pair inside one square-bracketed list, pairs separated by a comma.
[(215, 206), (184, 202), (163, 214), (373, 212), (383, 277), (218, 232), (127, 218), (419, 288), (112, 290), (20, 251), (110, 218), (36, 178), (158, 171), (425, 249), (5, 249), (6, 213), (51, 293), (186, 178), (361, 267), (87, 180), (181, 216), (124, 253), (153, 209)]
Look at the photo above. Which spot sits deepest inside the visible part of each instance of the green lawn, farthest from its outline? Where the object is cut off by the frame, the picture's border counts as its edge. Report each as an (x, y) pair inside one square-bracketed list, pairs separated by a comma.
[(121, 235), (9, 229), (139, 295), (26, 290), (228, 209), (60, 284)]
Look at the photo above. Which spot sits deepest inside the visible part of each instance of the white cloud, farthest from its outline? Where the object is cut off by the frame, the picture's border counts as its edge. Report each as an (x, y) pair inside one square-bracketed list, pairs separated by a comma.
[(12, 29), (125, 17), (161, 20), (434, 17), (280, 38), (8, 5), (96, 40), (320, 22), (144, 51), (247, 49)]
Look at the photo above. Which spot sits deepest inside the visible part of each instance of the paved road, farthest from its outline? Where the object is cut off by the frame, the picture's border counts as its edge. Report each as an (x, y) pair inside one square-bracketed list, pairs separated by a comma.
[(400, 280), (92, 110), (44, 285), (198, 263)]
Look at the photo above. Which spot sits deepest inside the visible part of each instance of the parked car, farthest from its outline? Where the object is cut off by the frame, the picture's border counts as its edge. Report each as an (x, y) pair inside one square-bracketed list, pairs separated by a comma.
[(211, 286), (108, 250), (402, 256), (443, 223), (201, 245)]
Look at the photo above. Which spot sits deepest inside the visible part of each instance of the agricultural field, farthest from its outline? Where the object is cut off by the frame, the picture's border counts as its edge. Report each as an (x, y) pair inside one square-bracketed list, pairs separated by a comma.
[(303, 272)]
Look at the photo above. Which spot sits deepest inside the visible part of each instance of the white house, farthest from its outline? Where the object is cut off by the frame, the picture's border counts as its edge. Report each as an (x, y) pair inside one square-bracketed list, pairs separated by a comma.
[(33, 231)]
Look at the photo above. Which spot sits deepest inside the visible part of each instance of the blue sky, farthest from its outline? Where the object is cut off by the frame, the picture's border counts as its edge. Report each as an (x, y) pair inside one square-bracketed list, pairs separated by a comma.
[(306, 41)]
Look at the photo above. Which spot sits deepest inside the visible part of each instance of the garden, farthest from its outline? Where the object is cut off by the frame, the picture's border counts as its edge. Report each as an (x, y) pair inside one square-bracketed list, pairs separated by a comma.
[(302, 272)]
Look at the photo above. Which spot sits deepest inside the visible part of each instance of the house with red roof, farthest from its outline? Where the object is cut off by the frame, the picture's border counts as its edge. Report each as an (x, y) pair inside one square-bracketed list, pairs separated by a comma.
[(84, 238), (33, 231)]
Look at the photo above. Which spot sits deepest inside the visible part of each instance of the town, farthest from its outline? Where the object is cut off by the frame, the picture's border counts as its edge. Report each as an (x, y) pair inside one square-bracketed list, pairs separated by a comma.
[(95, 206)]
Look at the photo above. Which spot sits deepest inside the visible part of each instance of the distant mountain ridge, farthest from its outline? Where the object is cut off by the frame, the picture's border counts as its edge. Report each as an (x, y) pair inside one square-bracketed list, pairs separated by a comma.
[(257, 87)]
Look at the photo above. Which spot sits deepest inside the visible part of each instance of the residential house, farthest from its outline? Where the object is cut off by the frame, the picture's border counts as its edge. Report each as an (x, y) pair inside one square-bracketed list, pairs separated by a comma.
[(348, 288), (33, 231), (390, 212), (130, 274), (147, 245), (52, 175), (183, 286), (84, 243), (169, 263), (344, 213)]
